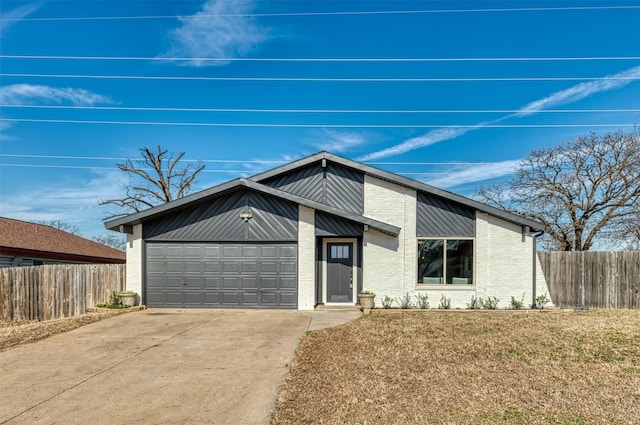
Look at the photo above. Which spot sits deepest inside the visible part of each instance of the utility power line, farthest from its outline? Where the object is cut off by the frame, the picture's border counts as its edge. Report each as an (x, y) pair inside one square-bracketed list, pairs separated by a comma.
[(315, 111), (343, 13), (315, 79), (267, 125), (205, 170), (238, 161), (241, 59)]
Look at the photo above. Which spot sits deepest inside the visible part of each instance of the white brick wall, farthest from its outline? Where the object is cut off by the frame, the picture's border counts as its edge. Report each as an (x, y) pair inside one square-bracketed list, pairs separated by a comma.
[(503, 262), (306, 258), (389, 263), (135, 260)]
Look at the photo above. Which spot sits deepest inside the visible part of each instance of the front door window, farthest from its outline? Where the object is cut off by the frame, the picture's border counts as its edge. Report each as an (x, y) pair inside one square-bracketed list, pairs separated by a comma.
[(340, 272)]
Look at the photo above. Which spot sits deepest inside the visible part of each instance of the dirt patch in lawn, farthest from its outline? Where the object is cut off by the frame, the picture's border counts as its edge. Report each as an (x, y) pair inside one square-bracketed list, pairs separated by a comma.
[(468, 368), (16, 333)]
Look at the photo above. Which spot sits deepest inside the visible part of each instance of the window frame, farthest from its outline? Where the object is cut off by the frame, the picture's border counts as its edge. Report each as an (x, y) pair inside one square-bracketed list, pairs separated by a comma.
[(444, 283)]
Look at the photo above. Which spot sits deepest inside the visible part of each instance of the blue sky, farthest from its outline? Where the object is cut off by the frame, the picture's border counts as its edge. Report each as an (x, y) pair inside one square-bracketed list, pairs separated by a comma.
[(452, 93)]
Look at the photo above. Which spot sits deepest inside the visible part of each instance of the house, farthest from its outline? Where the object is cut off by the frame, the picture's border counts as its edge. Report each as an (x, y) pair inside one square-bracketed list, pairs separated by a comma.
[(29, 244), (320, 229)]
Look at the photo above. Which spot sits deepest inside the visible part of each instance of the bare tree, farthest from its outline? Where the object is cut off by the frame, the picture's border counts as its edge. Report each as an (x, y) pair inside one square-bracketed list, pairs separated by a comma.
[(582, 190), (155, 179), (60, 225), (112, 240)]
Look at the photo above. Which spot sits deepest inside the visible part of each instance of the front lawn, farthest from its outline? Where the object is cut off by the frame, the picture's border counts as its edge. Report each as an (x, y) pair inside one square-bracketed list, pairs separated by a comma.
[(485, 367)]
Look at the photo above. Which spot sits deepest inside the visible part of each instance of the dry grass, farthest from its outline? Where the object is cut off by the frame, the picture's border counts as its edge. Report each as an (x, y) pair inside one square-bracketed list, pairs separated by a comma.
[(16, 333), (468, 368)]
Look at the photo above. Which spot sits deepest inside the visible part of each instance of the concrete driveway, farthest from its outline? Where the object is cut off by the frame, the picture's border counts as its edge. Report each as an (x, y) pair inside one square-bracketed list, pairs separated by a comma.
[(157, 367)]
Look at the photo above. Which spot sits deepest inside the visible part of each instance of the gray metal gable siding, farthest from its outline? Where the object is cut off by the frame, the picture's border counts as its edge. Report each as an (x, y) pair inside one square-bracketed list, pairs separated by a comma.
[(219, 220), (345, 188), (307, 182), (440, 217), (335, 185), (329, 225)]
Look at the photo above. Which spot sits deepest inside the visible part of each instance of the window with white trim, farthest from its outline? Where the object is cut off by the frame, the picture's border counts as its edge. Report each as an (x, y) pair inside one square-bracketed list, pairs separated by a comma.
[(445, 261)]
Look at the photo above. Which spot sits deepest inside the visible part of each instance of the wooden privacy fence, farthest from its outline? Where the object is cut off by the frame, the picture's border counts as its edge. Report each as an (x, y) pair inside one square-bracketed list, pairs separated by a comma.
[(57, 290), (593, 279)]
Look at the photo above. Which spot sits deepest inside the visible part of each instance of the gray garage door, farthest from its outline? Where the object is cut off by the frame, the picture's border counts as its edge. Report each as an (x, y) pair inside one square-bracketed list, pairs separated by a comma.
[(230, 275)]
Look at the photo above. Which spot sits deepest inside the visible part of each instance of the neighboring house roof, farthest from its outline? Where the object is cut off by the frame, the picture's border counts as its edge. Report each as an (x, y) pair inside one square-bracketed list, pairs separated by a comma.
[(39, 240), (253, 184)]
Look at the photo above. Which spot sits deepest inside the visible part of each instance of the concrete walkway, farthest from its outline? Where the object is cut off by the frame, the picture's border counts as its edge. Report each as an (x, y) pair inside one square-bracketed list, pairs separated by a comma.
[(158, 366)]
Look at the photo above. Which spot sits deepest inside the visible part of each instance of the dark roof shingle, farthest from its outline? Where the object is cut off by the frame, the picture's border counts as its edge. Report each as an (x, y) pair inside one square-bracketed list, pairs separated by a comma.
[(32, 237)]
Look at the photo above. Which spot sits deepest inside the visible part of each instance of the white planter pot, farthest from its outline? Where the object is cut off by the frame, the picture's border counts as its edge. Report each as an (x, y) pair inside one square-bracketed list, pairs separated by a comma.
[(128, 300)]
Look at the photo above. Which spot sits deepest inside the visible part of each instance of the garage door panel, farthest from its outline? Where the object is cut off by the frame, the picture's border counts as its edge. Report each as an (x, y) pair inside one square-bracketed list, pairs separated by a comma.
[(288, 283), (174, 297), (287, 267), (193, 252), (268, 252), (212, 282), (192, 266), (250, 282), (156, 297), (231, 275), (155, 266), (211, 252), (174, 266), (290, 252), (192, 282), (230, 298), (249, 252), (268, 267), (249, 298), (288, 299), (249, 267), (267, 282), (212, 299), (230, 267), (173, 282), (230, 251), (155, 251), (231, 282), (269, 298), (173, 251), (211, 266)]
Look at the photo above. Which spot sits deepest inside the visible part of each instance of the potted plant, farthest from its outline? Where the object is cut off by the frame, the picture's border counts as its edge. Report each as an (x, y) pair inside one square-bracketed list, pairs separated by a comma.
[(367, 301), (128, 298)]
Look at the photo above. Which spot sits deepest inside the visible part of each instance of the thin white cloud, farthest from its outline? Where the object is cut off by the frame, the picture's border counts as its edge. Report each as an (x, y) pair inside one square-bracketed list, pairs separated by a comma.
[(30, 94), (430, 138), (580, 91), (218, 30), (562, 97), (475, 173), (12, 17), (339, 141)]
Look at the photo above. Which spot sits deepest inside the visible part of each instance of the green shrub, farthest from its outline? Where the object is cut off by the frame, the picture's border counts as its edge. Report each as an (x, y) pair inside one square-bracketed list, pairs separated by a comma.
[(475, 304), (387, 301), (445, 303), (542, 300), (517, 304), (422, 301), (115, 301), (491, 303), (404, 301)]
